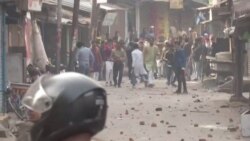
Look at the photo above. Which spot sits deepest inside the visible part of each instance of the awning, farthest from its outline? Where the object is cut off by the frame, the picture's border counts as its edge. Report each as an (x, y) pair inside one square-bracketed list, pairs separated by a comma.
[(241, 8), (110, 7), (155, 0), (85, 5), (205, 2), (204, 8)]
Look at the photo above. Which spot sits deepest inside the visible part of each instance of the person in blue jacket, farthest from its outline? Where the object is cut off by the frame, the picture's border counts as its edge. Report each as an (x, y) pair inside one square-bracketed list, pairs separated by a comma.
[(180, 64)]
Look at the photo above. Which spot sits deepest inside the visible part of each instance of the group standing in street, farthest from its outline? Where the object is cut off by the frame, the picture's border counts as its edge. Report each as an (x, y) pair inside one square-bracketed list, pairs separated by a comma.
[(176, 59)]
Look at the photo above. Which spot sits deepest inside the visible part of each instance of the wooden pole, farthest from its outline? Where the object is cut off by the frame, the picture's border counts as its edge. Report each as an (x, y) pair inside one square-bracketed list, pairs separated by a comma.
[(94, 18), (74, 34), (59, 35)]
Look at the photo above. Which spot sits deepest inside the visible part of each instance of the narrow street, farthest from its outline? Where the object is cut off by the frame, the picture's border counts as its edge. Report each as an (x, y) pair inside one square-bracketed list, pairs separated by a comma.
[(144, 114)]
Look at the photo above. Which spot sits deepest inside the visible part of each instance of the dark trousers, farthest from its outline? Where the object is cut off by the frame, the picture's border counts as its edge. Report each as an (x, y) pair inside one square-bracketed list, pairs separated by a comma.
[(130, 73), (133, 78), (180, 74), (118, 70)]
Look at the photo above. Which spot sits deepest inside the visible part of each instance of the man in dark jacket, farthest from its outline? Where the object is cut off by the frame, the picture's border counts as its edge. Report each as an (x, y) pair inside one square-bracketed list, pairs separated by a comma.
[(169, 60), (180, 64)]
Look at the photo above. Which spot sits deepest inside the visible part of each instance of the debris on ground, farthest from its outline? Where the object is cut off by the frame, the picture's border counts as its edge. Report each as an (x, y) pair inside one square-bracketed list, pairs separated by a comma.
[(126, 113), (130, 139), (153, 125), (231, 120), (218, 123), (197, 101), (196, 125), (159, 109), (232, 128), (142, 123), (209, 135), (224, 106)]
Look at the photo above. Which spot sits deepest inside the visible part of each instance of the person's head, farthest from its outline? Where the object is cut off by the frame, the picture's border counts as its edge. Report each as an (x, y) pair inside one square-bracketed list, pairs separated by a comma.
[(120, 44), (141, 43), (79, 44), (198, 41), (71, 106), (116, 33), (152, 28), (94, 43), (135, 46), (135, 40), (151, 41)]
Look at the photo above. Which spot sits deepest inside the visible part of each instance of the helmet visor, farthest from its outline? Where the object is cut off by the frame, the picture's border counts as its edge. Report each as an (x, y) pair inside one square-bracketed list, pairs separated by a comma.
[(36, 98)]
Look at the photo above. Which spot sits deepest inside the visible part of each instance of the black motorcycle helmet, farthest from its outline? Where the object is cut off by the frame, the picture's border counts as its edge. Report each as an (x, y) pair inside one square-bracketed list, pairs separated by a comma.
[(69, 104)]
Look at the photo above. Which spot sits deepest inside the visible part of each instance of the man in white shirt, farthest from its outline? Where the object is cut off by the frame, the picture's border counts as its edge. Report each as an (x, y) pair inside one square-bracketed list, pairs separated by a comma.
[(138, 66)]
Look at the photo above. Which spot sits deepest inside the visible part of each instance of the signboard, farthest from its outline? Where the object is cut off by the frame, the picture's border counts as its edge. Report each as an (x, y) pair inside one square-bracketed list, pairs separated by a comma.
[(19, 88), (109, 19), (102, 1), (34, 5), (176, 4), (30, 5)]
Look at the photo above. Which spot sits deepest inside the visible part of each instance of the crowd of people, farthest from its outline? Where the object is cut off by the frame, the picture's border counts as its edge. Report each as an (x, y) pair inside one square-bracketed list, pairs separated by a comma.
[(178, 59)]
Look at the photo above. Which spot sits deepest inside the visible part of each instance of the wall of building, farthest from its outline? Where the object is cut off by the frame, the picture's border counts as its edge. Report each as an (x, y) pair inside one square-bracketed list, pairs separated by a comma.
[(155, 14), (3, 52), (182, 19), (119, 25)]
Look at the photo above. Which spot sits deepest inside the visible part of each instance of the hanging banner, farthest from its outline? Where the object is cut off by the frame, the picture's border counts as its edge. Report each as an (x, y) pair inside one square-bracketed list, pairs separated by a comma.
[(109, 19), (35, 5), (39, 56), (102, 1), (176, 4), (30, 5), (27, 38)]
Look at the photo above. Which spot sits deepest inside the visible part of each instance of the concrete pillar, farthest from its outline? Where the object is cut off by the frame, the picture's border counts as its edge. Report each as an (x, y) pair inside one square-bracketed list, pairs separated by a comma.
[(126, 25), (138, 17), (2, 61)]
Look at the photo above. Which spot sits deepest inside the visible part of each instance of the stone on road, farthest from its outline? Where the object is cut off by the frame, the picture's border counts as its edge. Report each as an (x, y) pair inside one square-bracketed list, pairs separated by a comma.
[(157, 114)]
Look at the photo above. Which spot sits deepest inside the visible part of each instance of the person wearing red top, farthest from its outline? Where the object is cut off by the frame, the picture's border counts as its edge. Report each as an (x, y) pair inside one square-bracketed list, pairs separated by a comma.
[(98, 60), (108, 61)]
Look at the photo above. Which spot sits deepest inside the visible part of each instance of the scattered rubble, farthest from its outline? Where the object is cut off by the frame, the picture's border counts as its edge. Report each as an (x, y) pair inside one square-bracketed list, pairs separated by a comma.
[(209, 135), (232, 128), (158, 109), (153, 125), (130, 139), (231, 120), (197, 101), (196, 125), (142, 123), (126, 113), (224, 106), (172, 126)]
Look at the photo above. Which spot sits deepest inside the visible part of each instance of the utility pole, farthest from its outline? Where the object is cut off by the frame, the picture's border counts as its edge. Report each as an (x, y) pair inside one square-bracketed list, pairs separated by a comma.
[(94, 18), (59, 35), (74, 34)]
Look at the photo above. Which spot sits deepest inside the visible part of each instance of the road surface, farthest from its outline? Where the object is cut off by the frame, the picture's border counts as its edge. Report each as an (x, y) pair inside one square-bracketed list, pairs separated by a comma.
[(157, 114)]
